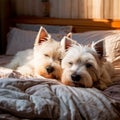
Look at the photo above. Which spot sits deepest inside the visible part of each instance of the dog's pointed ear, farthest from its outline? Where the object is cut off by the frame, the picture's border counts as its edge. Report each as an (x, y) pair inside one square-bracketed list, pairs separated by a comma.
[(42, 36), (99, 48), (69, 35), (66, 43)]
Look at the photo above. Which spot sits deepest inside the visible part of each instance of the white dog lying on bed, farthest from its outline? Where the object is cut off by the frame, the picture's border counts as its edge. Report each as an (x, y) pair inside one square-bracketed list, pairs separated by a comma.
[(85, 65), (42, 60)]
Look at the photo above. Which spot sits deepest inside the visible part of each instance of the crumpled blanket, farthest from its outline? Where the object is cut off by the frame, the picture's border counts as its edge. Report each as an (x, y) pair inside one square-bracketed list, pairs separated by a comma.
[(27, 98)]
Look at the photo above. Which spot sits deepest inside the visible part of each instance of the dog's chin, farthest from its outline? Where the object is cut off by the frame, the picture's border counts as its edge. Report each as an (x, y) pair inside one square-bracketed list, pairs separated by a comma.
[(48, 75), (80, 83), (73, 84)]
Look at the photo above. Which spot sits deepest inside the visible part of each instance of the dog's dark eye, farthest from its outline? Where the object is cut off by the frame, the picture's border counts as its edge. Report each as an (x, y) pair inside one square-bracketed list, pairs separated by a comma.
[(46, 55), (88, 65), (60, 59), (70, 63)]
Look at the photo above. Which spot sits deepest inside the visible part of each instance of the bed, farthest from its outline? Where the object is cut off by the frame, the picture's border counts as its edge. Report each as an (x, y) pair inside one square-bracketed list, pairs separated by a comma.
[(29, 98)]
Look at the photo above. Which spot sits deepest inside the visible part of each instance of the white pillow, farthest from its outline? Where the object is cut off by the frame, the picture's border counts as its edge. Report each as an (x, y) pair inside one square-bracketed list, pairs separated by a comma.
[(18, 40), (49, 28), (111, 39), (112, 44), (89, 37)]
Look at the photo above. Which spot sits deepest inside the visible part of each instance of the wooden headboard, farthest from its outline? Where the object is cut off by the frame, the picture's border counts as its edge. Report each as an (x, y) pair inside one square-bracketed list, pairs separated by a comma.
[(79, 25)]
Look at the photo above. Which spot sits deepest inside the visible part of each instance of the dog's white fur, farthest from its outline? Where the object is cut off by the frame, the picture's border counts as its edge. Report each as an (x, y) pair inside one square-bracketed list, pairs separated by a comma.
[(85, 65), (45, 54)]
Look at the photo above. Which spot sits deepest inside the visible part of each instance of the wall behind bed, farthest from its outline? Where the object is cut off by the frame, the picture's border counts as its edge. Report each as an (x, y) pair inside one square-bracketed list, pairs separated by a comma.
[(85, 9), (108, 9)]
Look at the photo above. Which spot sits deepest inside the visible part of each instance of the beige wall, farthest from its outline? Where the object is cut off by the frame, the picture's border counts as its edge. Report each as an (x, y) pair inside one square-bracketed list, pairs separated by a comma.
[(70, 8), (109, 9)]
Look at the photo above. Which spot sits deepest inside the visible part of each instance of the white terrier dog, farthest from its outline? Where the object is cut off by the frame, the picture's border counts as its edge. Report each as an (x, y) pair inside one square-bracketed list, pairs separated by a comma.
[(85, 66), (42, 60)]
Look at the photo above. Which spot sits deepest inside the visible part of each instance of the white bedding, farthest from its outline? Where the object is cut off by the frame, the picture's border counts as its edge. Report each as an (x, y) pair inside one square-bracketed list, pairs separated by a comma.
[(32, 99)]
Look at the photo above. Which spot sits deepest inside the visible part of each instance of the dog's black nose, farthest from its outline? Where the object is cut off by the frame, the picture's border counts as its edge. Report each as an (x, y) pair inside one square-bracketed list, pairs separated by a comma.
[(75, 77), (50, 69)]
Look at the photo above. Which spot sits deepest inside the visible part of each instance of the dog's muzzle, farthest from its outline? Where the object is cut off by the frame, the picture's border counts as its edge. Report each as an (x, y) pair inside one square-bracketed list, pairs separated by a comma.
[(49, 69), (75, 77)]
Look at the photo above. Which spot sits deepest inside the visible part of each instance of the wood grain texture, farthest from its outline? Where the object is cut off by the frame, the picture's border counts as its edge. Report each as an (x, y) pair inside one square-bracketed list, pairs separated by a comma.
[(79, 25)]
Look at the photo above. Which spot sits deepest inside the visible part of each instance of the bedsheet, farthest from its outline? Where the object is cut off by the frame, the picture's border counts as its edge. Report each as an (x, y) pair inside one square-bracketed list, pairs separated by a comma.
[(29, 98)]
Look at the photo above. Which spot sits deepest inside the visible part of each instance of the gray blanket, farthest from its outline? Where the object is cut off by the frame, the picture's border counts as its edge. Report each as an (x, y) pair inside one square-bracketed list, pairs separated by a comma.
[(27, 98)]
